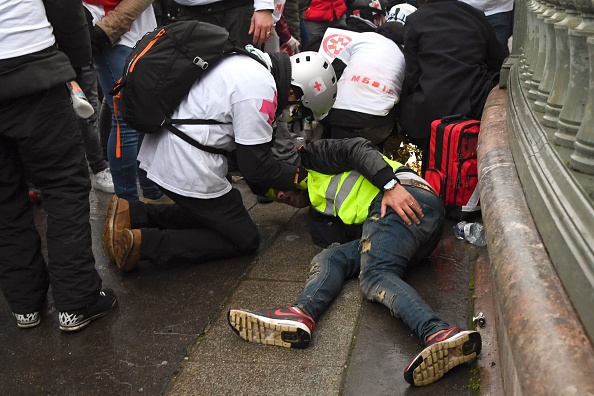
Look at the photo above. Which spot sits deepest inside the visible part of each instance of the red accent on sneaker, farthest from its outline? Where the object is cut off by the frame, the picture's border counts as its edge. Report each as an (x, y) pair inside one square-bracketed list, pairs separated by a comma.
[(442, 335)]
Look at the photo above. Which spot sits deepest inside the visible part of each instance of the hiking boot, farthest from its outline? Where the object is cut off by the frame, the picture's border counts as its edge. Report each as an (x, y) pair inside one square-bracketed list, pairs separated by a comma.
[(286, 326), (118, 218), (103, 181), (163, 200), (127, 249), (445, 350), (25, 321), (79, 319)]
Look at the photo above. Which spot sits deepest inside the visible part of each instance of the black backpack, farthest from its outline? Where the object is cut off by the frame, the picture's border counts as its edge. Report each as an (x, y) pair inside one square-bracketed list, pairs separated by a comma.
[(162, 68)]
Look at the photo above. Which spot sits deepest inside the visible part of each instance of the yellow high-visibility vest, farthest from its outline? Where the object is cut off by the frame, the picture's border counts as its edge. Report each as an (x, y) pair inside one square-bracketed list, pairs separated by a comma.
[(346, 195)]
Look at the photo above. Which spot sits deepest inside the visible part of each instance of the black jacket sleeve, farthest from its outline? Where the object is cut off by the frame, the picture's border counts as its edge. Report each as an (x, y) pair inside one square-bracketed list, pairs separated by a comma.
[(70, 29), (261, 171), (333, 156)]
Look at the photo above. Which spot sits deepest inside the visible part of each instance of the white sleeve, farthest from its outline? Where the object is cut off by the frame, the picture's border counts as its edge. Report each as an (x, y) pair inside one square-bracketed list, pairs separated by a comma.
[(263, 5), (252, 120)]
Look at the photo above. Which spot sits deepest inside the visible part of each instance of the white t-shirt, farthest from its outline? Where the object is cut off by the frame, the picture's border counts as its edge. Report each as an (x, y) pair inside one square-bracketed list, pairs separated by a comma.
[(258, 4), (490, 7), (372, 81), (24, 28), (145, 22), (238, 91)]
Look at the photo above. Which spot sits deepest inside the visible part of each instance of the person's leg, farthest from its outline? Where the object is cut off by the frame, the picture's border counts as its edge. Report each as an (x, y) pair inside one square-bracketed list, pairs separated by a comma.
[(104, 122), (24, 279), (315, 30), (291, 326), (388, 247), (89, 127), (502, 23), (194, 229), (52, 153), (237, 21), (101, 178), (329, 269), (109, 64)]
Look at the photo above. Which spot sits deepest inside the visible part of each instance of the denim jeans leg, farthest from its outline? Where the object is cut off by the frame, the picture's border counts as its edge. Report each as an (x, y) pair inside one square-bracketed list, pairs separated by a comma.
[(149, 189), (329, 269), (502, 23), (388, 247), (109, 64)]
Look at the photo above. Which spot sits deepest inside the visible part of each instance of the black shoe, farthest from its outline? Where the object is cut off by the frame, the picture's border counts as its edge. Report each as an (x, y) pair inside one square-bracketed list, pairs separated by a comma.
[(263, 199), (79, 319)]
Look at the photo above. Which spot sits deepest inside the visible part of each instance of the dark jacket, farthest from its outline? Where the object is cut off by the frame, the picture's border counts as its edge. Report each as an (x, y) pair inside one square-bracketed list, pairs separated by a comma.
[(28, 74), (333, 156), (452, 62)]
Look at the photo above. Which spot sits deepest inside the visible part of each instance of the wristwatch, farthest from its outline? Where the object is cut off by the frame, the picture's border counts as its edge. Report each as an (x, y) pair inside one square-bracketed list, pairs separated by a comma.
[(391, 184)]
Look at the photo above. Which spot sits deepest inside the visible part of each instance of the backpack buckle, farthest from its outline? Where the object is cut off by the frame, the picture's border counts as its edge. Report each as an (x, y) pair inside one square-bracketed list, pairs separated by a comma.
[(201, 63)]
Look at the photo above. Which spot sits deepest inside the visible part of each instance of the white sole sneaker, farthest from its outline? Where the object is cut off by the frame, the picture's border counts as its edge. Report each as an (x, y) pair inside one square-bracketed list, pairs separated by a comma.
[(437, 359)]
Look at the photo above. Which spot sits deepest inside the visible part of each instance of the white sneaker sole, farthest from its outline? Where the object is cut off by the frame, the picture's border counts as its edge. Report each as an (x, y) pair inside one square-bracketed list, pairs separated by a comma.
[(443, 356), (268, 331)]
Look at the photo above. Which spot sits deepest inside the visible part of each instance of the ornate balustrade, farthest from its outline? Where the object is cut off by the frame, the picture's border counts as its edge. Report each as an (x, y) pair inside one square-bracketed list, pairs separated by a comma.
[(550, 117)]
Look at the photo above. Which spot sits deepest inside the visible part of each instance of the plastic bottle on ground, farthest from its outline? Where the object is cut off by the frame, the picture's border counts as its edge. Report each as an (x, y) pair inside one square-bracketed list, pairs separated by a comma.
[(472, 232)]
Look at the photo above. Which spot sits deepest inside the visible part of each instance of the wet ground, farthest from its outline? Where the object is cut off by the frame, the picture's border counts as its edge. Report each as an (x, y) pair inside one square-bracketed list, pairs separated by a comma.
[(168, 333)]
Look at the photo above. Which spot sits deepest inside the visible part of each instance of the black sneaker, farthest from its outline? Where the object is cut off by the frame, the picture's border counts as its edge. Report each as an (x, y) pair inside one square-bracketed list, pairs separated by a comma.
[(445, 350), (25, 321), (285, 326), (79, 319)]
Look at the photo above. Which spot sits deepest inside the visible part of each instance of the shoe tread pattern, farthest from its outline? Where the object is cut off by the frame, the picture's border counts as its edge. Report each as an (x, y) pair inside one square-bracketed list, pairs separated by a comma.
[(249, 327), (441, 357)]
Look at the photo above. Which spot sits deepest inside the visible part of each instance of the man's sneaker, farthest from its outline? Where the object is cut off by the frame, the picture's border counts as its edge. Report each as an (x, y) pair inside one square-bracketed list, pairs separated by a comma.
[(127, 249), (79, 319), (25, 321), (445, 350), (286, 326), (103, 181), (118, 218)]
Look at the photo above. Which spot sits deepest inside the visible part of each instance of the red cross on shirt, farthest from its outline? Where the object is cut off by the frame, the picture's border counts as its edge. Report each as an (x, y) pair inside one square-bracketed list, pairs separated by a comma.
[(269, 108)]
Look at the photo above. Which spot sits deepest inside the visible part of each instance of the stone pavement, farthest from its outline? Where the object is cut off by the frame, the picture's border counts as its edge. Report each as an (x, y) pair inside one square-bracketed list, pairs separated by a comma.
[(168, 334)]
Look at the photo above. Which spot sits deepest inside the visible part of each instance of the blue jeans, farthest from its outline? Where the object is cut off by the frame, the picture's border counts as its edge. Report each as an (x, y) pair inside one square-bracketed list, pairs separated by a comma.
[(380, 258), (109, 64), (502, 22)]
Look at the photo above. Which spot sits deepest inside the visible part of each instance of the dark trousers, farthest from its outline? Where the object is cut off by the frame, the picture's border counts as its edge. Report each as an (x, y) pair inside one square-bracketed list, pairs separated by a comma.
[(233, 15), (194, 229), (40, 140)]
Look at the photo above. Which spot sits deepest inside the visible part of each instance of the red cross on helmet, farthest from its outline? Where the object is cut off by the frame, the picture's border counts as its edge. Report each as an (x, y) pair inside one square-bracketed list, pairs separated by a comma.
[(314, 75)]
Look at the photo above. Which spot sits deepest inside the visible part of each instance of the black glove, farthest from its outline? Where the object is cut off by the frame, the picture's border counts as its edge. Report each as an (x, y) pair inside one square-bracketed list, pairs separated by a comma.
[(99, 39)]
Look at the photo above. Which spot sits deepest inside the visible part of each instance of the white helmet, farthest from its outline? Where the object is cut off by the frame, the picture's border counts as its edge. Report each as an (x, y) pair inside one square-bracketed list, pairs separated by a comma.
[(399, 12), (314, 75)]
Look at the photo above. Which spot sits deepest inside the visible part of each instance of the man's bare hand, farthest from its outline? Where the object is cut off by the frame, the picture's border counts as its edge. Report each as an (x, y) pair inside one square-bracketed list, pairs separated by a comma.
[(261, 26), (403, 203)]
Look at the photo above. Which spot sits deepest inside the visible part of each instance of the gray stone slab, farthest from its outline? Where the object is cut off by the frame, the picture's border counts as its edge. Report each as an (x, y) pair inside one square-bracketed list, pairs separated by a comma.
[(290, 255), (246, 378), (316, 370)]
